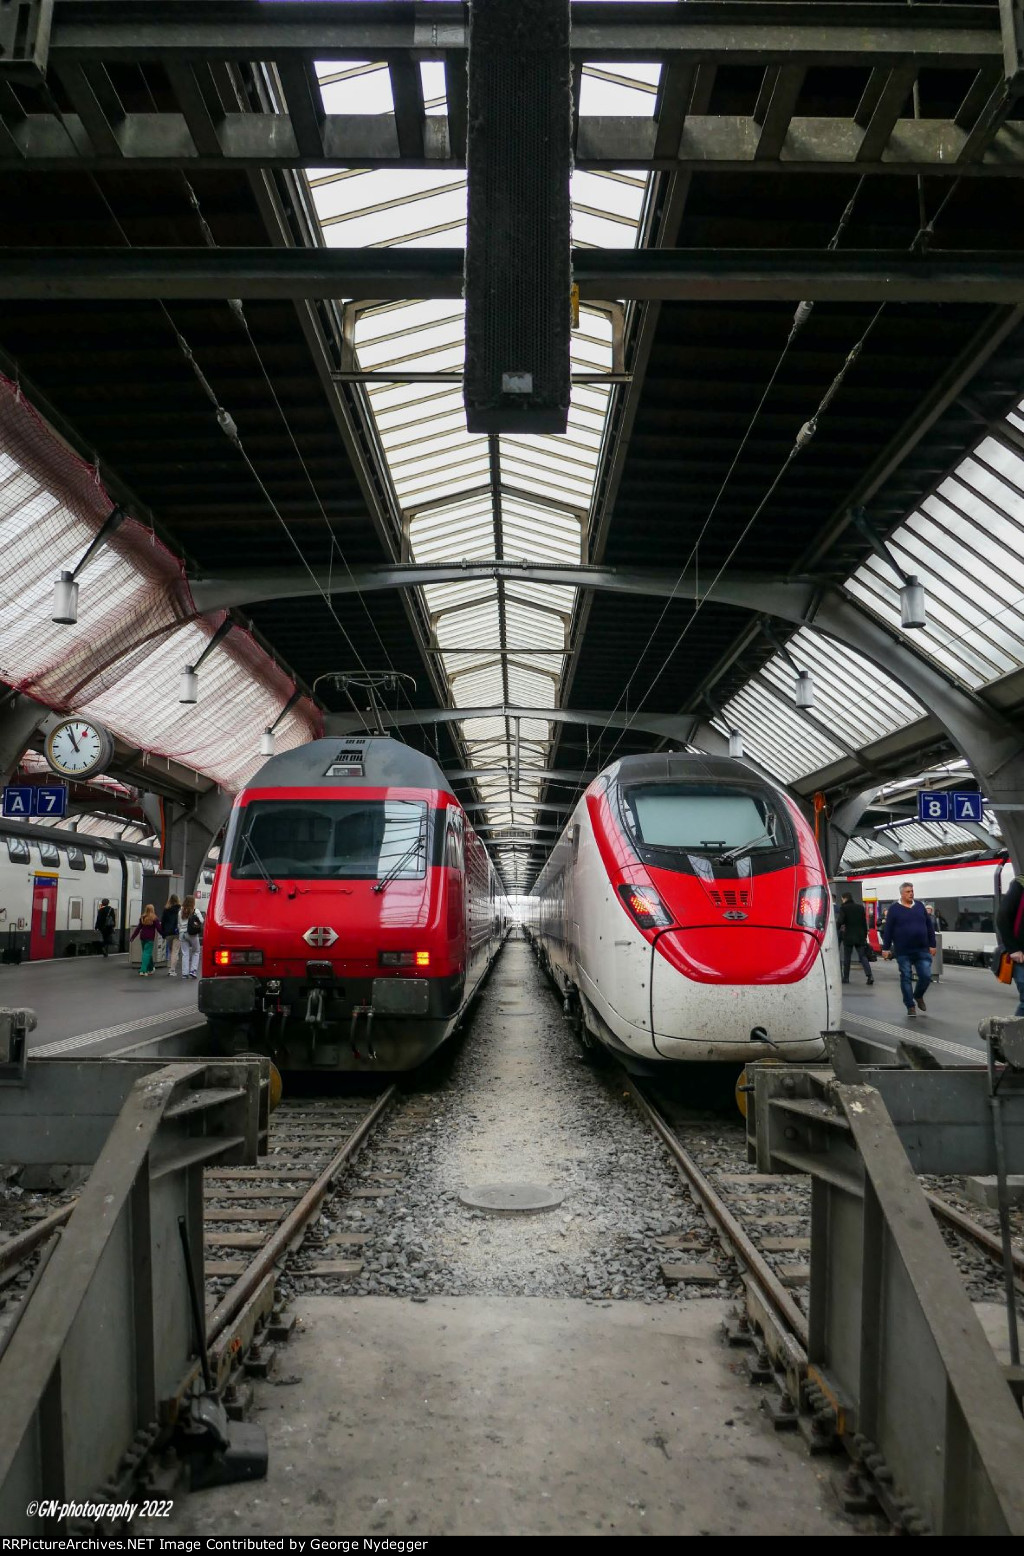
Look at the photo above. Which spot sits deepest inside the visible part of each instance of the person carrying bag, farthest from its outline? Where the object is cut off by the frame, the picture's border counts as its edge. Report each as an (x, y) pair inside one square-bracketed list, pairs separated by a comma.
[(1008, 962), (191, 938)]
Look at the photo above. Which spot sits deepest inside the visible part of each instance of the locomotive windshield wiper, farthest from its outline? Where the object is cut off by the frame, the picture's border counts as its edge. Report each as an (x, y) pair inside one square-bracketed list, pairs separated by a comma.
[(743, 848), (414, 848), (261, 867)]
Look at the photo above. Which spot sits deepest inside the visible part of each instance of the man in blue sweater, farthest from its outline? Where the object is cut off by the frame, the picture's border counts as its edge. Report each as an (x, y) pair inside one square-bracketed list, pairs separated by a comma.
[(909, 935)]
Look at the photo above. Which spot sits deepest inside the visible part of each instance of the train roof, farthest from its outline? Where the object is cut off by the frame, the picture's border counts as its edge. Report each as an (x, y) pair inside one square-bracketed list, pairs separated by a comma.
[(351, 761), (686, 765)]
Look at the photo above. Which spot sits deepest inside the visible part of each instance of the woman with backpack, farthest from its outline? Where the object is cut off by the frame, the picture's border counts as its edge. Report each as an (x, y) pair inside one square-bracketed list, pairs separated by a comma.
[(146, 931), (1010, 925), (170, 929), (191, 938)]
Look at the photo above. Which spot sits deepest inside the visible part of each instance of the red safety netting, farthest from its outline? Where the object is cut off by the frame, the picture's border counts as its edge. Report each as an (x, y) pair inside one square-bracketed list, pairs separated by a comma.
[(137, 627)]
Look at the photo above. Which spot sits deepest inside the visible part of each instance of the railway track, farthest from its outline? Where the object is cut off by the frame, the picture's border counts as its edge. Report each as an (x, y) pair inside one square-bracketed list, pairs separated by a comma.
[(761, 1224), (254, 1217)]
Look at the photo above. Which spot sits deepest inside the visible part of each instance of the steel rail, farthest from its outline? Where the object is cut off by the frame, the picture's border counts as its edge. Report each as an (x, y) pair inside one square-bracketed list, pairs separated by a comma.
[(19, 1247), (235, 1298), (966, 1225), (759, 1271)]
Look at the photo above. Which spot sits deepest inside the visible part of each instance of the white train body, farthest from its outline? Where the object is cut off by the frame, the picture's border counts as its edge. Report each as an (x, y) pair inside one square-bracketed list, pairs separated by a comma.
[(52, 882), (965, 898), (736, 959)]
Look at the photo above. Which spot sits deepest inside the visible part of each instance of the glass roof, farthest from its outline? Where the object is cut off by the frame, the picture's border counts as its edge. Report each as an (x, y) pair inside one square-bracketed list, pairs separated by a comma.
[(965, 542), (121, 662), (465, 497)]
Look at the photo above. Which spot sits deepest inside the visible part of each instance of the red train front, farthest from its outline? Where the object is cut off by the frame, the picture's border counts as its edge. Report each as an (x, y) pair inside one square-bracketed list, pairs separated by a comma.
[(354, 911)]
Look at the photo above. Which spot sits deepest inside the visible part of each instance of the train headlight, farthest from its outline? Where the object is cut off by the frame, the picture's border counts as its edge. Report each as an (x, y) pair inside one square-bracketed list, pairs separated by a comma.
[(812, 909), (645, 907)]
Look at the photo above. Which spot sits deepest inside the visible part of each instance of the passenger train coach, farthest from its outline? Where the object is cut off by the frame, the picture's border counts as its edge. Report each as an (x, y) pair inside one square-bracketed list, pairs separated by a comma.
[(965, 897), (354, 910), (685, 915), (52, 881)]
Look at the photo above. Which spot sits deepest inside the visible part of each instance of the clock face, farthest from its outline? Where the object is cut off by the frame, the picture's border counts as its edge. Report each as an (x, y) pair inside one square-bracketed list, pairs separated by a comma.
[(78, 749)]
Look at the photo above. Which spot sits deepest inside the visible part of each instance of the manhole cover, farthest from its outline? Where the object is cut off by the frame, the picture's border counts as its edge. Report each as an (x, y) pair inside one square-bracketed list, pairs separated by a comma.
[(503, 1199)]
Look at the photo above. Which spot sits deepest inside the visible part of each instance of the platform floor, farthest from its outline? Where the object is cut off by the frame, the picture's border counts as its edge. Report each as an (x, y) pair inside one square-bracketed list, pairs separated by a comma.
[(515, 1416), (956, 1003), (89, 1005)]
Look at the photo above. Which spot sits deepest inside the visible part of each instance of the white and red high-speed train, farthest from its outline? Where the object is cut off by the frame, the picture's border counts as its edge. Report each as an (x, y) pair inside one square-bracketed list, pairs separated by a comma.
[(685, 915)]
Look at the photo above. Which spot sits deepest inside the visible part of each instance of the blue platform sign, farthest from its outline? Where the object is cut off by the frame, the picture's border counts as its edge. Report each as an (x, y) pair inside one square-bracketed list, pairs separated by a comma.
[(949, 805), (22, 800), (966, 805), (17, 802), (50, 799), (933, 805)]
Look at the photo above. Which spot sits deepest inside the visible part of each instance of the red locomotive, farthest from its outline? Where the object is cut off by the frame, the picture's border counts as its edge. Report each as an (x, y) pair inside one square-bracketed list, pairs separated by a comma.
[(354, 912)]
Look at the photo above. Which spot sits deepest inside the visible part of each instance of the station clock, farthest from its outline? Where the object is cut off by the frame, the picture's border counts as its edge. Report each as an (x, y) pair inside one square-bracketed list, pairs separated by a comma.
[(78, 748)]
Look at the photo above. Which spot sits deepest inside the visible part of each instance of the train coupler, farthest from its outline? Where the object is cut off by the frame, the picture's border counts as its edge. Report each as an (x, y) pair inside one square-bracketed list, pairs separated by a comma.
[(367, 1012)]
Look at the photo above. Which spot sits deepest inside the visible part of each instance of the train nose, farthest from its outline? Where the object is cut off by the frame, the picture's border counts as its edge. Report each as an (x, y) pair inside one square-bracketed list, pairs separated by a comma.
[(722, 954)]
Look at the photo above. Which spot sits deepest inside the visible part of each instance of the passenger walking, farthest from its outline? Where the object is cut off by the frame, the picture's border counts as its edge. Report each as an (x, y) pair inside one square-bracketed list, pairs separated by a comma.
[(909, 935), (853, 926), (170, 929), (146, 930), (106, 919), (191, 938), (1010, 924)]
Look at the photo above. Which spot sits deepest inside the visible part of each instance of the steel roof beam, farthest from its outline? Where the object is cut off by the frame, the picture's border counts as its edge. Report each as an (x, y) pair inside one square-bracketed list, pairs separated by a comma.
[(736, 275), (305, 138), (734, 31)]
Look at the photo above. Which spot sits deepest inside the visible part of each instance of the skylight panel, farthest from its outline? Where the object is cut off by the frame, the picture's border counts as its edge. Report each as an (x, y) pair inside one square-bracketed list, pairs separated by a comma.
[(627, 91), (352, 87)]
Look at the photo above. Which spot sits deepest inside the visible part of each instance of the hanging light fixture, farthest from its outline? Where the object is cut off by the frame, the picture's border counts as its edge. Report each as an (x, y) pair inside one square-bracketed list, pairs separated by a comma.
[(65, 599), (189, 691), (912, 607), (804, 697), (65, 589), (735, 744), (268, 739)]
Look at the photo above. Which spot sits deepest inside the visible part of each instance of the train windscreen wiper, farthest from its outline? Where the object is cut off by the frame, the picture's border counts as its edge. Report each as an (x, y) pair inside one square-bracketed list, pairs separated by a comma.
[(248, 843), (419, 842), (745, 848)]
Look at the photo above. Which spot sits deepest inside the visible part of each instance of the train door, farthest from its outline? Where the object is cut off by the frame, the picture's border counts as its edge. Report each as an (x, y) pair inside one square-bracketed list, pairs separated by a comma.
[(43, 932)]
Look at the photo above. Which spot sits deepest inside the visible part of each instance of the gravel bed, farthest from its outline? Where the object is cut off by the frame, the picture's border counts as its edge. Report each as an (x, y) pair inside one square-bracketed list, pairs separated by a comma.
[(518, 1105)]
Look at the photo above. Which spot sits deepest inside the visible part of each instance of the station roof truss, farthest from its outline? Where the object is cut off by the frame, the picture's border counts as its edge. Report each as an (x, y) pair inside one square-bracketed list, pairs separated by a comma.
[(733, 160)]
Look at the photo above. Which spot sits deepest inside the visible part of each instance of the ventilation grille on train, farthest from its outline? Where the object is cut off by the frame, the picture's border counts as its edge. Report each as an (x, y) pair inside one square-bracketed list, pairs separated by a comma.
[(729, 899)]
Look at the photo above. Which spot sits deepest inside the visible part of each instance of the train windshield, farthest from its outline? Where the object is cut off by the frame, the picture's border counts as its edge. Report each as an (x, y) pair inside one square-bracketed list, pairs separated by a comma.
[(703, 819), (330, 840)]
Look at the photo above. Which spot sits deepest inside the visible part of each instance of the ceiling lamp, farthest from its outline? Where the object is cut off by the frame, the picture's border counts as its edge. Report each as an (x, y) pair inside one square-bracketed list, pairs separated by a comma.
[(65, 590), (189, 690), (735, 744), (912, 607), (804, 697)]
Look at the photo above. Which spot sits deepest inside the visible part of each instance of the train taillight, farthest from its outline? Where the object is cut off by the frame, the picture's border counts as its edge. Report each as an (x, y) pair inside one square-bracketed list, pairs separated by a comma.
[(812, 909), (645, 906), (404, 958), (235, 958)]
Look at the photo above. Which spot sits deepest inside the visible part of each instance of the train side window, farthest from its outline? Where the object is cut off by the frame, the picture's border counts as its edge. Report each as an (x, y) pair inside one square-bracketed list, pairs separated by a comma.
[(207, 877), (17, 850), (100, 863), (76, 858), (49, 854), (136, 873), (454, 852), (74, 912), (574, 838)]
